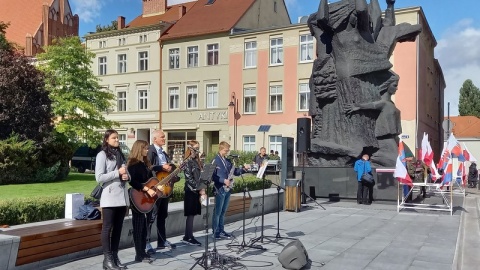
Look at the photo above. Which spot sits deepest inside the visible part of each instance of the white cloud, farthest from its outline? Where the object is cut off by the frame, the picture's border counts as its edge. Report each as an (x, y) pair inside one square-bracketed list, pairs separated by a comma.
[(88, 10), (459, 55)]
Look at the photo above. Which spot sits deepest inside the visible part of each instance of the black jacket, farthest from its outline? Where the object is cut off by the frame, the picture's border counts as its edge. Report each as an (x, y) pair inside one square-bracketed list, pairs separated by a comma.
[(192, 174), (153, 155)]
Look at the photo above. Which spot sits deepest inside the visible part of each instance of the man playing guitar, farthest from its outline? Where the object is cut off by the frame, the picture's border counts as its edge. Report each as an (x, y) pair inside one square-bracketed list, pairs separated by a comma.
[(157, 156)]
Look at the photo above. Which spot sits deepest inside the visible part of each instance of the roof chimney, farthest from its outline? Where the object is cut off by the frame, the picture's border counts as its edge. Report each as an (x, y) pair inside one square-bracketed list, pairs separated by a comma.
[(181, 11), (154, 7), (120, 22)]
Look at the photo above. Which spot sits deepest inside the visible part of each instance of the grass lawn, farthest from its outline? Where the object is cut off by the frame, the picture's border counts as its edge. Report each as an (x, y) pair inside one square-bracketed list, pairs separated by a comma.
[(75, 183)]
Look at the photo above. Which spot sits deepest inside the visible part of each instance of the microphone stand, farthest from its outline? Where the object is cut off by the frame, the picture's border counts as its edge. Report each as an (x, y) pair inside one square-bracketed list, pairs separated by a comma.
[(278, 216), (303, 194), (243, 245)]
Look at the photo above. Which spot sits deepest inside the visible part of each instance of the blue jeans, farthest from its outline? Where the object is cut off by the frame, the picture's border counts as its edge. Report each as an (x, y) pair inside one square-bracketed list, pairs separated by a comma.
[(222, 199)]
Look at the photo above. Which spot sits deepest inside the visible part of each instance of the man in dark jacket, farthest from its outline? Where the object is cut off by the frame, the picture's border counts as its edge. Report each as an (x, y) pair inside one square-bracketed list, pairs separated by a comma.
[(157, 156), (472, 175)]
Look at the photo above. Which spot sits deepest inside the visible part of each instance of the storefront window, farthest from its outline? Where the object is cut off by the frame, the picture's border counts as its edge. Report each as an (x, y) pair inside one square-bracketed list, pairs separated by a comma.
[(176, 143)]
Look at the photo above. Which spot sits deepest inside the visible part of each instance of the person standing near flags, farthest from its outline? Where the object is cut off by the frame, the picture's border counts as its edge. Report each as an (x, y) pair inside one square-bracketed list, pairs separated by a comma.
[(472, 175), (364, 189)]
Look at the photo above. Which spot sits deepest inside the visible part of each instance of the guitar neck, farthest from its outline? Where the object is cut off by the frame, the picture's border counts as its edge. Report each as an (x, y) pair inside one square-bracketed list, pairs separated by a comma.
[(174, 173)]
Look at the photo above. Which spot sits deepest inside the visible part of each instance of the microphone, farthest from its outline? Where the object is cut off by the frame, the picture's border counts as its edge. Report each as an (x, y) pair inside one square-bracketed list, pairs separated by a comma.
[(233, 156)]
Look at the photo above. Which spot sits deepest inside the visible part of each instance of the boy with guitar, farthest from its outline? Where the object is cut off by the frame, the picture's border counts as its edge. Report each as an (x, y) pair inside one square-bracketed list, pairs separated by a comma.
[(223, 180)]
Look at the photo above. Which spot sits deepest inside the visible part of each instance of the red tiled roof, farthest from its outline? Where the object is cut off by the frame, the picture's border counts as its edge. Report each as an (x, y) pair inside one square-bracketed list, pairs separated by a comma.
[(221, 16), (466, 126), (171, 15), (25, 17)]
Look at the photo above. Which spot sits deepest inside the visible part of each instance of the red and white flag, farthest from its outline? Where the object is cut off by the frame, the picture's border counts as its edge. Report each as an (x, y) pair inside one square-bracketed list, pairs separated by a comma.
[(400, 168)]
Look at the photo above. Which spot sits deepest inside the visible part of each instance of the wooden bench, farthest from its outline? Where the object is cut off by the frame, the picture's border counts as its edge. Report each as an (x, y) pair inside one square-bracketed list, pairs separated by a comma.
[(57, 239), (236, 205)]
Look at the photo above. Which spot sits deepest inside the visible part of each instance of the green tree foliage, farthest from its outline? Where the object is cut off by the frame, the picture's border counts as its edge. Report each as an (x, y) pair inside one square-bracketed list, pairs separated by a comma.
[(4, 44), (469, 103), (112, 26), (77, 99), (25, 107)]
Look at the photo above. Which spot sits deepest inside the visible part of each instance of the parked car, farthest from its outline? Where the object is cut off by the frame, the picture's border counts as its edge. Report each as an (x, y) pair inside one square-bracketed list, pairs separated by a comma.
[(84, 157)]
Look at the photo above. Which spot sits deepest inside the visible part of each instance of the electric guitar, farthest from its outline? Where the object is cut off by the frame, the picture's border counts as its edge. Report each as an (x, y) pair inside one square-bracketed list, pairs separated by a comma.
[(162, 184)]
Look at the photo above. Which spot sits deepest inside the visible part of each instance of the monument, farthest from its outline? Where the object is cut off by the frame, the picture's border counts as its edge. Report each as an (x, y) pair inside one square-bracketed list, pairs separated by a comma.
[(352, 83)]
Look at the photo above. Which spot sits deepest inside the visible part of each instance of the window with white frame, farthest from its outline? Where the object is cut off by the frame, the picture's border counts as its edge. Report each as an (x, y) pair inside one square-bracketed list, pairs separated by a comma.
[(192, 97), (122, 139), (174, 55), (121, 41), (142, 38), (192, 56), (102, 44), (303, 96), (142, 61), (212, 95), (275, 143), (250, 54), (249, 143), (122, 63), (142, 99), (249, 100), (173, 98), (122, 101), (276, 51), (102, 65), (276, 93), (306, 48), (212, 54)]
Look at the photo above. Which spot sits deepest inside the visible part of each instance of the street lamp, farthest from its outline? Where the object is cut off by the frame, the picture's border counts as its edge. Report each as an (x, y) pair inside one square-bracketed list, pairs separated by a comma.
[(234, 104)]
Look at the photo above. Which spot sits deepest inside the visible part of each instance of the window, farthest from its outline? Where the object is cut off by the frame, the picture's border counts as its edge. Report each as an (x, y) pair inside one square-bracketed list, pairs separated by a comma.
[(276, 98), (122, 101), (176, 143), (303, 96), (174, 58), (249, 143), (212, 54), (276, 51), (143, 38), (250, 54), (122, 139), (212, 95), (121, 41), (122, 63), (142, 99), (192, 97), (173, 98), (102, 44), (306, 48), (143, 61), (102, 65), (275, 144), (250, 100), (192, 56)]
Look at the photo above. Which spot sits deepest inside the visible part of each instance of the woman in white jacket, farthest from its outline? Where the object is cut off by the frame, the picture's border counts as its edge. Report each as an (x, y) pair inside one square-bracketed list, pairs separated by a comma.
[(110, 172)]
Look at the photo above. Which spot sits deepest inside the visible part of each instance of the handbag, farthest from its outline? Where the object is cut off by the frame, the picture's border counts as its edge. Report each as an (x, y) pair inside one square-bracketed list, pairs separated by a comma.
[(366, 177), (88, 212), (97, 192)]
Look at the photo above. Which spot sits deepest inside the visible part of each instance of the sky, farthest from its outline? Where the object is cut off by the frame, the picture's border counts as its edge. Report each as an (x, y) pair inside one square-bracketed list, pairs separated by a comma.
[(455, 25)]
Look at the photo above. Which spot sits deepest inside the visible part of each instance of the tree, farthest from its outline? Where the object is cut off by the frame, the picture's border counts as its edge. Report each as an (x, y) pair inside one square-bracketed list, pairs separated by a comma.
[(25, 107), (469, 103), (4, 44), (77, 99), (112, 26)]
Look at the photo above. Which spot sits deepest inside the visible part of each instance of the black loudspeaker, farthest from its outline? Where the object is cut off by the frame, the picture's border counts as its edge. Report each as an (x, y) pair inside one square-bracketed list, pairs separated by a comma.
[(287, 157), (304, 127), (293, 256)]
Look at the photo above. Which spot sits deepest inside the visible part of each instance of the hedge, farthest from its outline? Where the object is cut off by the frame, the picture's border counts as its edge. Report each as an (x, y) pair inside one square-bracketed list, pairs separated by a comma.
[(28, 210)]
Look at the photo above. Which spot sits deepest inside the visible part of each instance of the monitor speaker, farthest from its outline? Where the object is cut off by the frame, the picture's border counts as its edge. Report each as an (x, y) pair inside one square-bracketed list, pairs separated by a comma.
[(304, 127), (293, 256)]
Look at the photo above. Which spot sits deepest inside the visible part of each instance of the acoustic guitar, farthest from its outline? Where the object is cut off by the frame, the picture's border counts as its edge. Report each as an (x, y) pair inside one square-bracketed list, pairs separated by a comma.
[(162, 184)]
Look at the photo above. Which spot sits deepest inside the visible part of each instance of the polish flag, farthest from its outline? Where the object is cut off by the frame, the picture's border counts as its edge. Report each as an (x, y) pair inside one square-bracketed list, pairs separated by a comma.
[(426, 152), (400, 168), (467, 154)]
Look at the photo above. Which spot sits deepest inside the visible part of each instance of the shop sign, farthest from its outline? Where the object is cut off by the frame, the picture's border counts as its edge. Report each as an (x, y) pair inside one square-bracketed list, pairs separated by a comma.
[(213, 116)]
